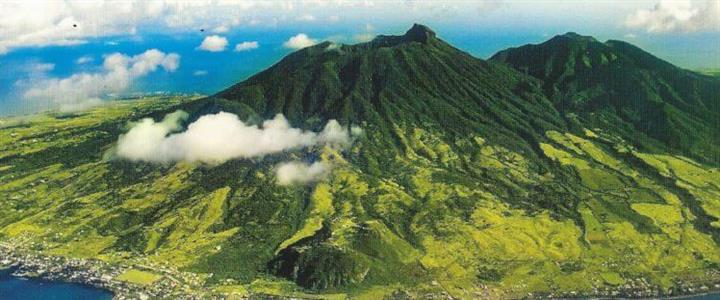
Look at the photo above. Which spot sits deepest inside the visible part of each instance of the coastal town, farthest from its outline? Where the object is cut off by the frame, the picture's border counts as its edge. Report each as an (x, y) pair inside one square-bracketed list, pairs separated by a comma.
[(136, 282), (143, 281)]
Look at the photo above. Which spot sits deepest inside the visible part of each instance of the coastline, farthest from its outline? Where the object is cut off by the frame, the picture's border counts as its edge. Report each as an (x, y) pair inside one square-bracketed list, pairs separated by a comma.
[(102, 275), (94, 273), (24, 268), (714, 294), (18, 286)]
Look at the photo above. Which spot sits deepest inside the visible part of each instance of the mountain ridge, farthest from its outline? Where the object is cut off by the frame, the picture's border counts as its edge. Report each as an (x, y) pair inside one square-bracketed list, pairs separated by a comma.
[(628, 86), (356, 84), (469, 179)]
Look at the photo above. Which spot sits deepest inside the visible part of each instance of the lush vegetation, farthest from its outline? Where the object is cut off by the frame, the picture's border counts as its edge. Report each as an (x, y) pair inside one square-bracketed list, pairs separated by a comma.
[(467, 180), (138, 277), (617, 86)]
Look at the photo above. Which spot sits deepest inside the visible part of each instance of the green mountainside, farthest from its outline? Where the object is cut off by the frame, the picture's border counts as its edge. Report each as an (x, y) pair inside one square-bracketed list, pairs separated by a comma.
[(471, 179), (410, 81), (617, 85)]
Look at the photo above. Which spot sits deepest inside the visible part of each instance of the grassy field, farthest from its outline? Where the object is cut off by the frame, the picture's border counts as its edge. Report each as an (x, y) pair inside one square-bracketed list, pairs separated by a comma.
[(138, 277), (465, 217)]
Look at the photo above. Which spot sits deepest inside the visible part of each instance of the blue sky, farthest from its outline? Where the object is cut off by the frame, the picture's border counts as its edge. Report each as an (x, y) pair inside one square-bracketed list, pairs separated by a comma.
[(71, 55)]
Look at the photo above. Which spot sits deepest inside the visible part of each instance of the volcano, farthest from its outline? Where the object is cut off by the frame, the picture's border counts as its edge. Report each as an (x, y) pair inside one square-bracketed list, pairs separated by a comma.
[(571, 167)]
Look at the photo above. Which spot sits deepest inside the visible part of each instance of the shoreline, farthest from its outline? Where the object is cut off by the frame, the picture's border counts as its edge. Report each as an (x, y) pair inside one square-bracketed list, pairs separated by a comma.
[(90, 272), (102, 275), (9, 274), (28, 268)]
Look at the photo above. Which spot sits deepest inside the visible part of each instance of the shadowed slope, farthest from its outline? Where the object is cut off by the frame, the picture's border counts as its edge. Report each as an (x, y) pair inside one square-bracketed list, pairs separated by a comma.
[(415, 80), (617, 86)]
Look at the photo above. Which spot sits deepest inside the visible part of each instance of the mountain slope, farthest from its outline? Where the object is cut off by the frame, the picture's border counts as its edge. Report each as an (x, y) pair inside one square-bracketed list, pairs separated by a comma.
[(411, 79), (617, 85), (467, 181)]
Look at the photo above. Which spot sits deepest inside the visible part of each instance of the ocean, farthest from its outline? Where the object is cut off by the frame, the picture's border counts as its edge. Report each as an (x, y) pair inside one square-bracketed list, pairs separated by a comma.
[(16, 288)]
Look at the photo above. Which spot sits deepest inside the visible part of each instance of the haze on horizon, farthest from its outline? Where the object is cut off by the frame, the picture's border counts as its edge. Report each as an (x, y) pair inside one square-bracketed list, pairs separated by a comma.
[(69, 55)]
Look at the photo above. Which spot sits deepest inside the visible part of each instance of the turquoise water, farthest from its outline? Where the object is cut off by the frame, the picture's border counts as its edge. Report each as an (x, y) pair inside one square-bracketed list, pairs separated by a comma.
[(15, 288)]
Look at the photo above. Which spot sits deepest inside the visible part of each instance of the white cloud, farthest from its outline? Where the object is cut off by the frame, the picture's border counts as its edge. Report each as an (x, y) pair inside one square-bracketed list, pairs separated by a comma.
[(40, 67), (81, 90), (289, 173), (216, 138), (200, 73), (306, 18), (334, 134), (677, 16), (34, 23), (246, 46), (37, 23), (299, 41), (42, 23), (630, 36), (333, 46), (213, 43), (221, 29), (142, 141), (84, 59), (363, 37), (367, 35)]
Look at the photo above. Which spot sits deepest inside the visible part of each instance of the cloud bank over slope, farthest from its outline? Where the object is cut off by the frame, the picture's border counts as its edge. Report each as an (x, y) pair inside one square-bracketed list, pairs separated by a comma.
[(289, 173), (220, 137)]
